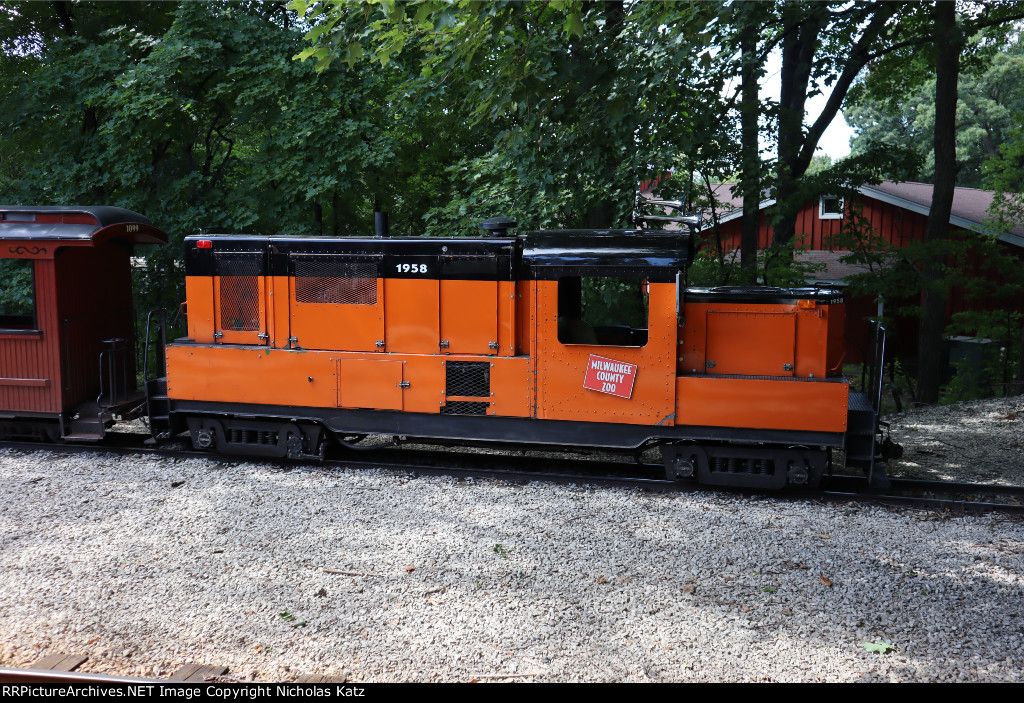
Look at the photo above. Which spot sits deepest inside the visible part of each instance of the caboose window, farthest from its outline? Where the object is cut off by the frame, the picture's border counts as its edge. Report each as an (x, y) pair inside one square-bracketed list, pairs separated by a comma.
[(17, 294), (602, 310), (328, 280)]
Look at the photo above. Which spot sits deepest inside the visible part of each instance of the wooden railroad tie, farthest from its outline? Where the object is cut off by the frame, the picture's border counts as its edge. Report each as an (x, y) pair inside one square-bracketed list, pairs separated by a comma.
[(60, 662), (196, 673)]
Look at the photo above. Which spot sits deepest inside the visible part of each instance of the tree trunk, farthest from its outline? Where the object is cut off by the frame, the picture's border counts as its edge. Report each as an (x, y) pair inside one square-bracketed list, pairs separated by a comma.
[(798, 49), (948, 45), (750, 183)]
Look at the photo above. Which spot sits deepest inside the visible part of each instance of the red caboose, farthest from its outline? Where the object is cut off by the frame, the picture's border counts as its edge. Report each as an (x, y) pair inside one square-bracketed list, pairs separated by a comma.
[(67, 330)]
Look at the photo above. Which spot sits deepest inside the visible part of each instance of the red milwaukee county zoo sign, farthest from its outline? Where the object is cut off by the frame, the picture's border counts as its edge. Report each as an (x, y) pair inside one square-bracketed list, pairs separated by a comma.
[(610, 376)]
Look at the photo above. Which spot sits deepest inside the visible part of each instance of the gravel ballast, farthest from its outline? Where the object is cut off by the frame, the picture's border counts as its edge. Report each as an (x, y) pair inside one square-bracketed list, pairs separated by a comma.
[(146, 564)]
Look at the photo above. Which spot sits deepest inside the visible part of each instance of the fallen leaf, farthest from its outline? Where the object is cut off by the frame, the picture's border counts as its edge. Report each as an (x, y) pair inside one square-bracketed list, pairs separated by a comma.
[(824, 580), (409, 569), (787, 611), (689, 589), (878, 647), (602, 579), (1011, 416), (746, 609), (825, 535)]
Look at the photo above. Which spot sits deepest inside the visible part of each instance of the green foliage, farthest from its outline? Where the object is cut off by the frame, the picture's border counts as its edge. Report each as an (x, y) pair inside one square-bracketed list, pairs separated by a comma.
[(17, 298), (888, 272), (195, 116), (614, 301), (576, 102), (991, 96)]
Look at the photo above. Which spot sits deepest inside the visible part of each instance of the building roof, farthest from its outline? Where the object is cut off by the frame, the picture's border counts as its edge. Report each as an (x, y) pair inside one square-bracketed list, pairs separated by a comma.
[(970, 205)]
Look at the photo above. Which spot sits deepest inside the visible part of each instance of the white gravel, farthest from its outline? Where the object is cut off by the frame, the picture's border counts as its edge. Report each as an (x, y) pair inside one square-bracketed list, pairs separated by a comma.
[(379, 577), (980, 441)]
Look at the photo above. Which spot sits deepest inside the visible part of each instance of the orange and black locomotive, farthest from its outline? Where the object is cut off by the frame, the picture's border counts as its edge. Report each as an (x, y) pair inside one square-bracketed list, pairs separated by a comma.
[(579, 338)]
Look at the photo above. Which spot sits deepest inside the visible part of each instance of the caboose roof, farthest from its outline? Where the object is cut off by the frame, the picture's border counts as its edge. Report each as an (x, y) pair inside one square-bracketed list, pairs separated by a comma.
[(94, 224)]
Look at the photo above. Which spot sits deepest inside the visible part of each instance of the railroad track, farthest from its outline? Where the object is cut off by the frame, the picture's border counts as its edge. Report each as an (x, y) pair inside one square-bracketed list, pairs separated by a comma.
[(63, 668), (520, 467)]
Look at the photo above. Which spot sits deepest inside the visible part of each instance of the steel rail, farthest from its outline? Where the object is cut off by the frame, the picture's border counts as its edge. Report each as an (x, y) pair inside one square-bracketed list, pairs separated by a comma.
[(50, 676)]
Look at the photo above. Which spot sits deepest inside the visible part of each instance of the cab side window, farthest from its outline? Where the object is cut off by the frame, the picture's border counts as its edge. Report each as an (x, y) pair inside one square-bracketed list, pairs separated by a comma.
[(17, 294), (602, 310)]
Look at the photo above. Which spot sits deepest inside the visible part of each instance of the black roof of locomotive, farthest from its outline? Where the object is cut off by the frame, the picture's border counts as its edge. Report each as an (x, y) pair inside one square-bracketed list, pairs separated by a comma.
[(544, 254), (764, 295), (553, 253)]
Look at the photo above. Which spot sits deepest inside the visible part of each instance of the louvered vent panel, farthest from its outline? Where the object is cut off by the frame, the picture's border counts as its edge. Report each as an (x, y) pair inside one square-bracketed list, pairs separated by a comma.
[(465, 407), (468, 379), (240, 291), (329, 280)]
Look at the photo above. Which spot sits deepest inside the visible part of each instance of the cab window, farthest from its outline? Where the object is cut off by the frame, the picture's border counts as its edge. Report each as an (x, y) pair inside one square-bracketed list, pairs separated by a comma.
[(602, 310)]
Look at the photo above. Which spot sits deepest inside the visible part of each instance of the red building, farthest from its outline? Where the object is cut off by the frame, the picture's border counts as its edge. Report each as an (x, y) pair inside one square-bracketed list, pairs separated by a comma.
[(897, 212)]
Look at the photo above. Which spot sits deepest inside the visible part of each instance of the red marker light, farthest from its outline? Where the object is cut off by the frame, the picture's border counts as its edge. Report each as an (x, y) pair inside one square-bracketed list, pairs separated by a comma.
[(204, 244)]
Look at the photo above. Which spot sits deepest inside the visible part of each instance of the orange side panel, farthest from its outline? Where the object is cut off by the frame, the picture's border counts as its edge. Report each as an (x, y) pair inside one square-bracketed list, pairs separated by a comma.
[(411, 315), (525, 318), (506, 318), (812, 341), (469, 316), (302, 378), (562, 368), (370, 383), (836, 317), (251, 375), (279, 318), (512, 387), (761, 404), (199, 294), (338, 326), (760, 339), (756, 344), (244, 318)]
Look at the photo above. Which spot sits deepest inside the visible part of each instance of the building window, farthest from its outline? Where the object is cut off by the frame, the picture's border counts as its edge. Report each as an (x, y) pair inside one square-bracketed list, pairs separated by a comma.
[(830, 207), (602, 310), (17, 294)]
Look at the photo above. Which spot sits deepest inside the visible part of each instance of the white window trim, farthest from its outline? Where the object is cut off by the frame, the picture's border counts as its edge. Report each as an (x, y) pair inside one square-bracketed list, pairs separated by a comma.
[(822, 215)]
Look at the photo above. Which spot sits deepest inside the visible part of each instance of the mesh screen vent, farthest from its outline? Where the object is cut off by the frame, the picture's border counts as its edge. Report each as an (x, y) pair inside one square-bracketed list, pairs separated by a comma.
[(465, 407), (329, 280), (240, 291), (468, 378)]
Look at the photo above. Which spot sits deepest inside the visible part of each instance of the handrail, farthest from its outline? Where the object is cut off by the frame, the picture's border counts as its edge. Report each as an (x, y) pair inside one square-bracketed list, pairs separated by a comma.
[(145, 355)]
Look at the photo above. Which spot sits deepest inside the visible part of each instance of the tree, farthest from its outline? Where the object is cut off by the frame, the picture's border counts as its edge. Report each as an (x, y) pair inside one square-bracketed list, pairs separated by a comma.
[(589, 99), (990, 94), (195, 115)]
